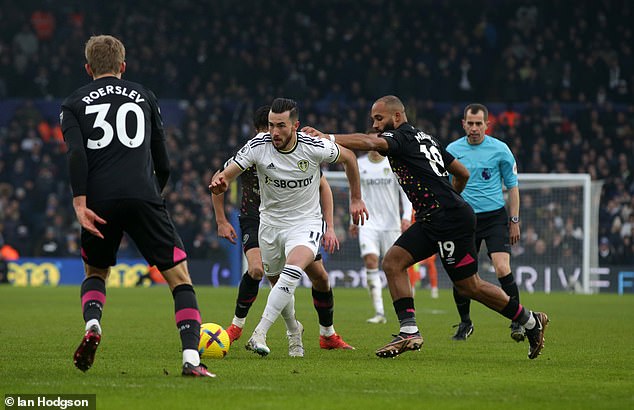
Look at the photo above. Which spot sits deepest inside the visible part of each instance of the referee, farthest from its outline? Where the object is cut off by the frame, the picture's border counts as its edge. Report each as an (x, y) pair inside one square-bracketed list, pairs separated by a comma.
[(490, 163)]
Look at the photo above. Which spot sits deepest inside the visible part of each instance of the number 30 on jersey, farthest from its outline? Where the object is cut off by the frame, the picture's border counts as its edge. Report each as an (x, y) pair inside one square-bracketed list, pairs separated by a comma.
[(122, 134)]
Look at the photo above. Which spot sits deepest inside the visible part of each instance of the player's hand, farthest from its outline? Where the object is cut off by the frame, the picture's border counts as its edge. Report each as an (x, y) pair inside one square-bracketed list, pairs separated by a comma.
[(225, 230), (353, 230), (218, 185), (314, 132), (88, 218), (358, 211), (330, 241), (405, 224), (514, 233)]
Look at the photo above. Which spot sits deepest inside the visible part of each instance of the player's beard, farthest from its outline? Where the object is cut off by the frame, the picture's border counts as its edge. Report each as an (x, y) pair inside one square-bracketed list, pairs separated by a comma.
[(284, 144), (389, 126)]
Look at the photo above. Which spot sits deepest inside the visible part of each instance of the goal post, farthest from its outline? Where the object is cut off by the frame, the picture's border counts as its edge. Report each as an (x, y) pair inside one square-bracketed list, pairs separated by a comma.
[(564, 190), (558, 248)]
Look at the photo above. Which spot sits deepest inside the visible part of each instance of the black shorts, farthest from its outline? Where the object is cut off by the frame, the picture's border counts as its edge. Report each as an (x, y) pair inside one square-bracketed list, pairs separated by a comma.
[(249, 227), (493, 228), (451, 234), (148, 224)]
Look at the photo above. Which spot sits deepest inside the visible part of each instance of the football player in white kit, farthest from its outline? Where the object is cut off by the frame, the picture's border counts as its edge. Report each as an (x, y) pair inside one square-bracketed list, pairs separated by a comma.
[(381, 191), (291, 225)]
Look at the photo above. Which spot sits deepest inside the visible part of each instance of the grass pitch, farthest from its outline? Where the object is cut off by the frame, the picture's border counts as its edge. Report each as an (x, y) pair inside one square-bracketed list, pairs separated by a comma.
[(588, 360)]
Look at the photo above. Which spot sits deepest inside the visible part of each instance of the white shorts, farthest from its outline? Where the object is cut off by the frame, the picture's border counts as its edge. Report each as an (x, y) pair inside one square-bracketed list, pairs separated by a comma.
[(276, 243), (377, 242)]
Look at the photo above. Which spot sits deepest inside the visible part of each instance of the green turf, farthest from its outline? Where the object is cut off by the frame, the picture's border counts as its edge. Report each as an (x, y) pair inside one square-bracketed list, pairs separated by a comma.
[(588, 361)]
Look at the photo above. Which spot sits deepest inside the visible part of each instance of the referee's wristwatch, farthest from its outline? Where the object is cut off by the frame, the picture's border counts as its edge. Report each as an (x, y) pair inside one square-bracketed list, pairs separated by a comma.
[(514, 219)]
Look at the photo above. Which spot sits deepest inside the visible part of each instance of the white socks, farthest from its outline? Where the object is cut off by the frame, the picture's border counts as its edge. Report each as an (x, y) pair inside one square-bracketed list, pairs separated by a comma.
[(288, 314), (531, 322), (239, 321), (281, 295), (191, 356), (91, 323), (409, 329), (375, 288), (326, 330)]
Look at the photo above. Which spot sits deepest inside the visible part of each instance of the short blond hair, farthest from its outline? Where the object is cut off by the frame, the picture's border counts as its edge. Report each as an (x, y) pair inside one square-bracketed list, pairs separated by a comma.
[(104, 54)]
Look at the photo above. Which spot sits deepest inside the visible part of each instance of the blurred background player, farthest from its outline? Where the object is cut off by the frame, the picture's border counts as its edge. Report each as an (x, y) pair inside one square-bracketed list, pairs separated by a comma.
[(381, 193), (153, 276), (323, 299), (492, 166), (118, 167), (431, 272)]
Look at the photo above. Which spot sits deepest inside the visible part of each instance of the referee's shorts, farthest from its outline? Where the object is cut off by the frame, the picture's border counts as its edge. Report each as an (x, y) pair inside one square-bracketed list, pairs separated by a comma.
[(493, 228)]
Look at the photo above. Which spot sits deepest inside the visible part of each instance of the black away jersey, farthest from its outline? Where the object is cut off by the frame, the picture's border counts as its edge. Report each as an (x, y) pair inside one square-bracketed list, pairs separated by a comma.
[(119, 121), (419, 162)]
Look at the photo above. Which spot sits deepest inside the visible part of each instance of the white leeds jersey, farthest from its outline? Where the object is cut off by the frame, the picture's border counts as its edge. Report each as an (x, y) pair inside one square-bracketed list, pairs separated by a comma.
[(380, 191), (289, 181)]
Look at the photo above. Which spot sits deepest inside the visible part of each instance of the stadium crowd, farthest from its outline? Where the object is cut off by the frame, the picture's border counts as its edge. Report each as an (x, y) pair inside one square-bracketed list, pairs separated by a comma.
[(558, 79)]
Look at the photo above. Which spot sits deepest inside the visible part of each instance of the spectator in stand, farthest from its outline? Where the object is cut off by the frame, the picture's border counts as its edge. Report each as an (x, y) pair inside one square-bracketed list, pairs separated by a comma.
[(50, 246), (546, 64)]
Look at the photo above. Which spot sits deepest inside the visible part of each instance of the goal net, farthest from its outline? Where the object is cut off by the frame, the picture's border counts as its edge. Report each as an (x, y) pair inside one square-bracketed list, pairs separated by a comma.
[(558, 245)]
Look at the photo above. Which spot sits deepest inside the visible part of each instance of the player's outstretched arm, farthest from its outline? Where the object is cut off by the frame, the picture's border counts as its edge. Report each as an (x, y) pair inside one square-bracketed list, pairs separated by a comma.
[(225, 229), (330, 241), (460, 175), (357, 207), (314, 132), (220, 181), (358, 142)]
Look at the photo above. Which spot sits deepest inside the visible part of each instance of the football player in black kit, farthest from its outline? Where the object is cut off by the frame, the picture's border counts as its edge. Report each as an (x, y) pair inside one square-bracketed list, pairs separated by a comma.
[(118, 167), (445, 224)]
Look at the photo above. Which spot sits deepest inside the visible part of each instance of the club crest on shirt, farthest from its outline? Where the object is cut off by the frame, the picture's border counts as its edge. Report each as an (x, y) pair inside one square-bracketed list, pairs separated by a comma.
[(486, 174), (386, 171), (302, 165)]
